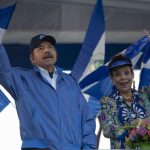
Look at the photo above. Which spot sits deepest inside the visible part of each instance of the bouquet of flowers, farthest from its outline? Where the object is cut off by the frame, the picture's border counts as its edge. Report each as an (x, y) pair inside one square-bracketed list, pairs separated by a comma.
[(139, 135)]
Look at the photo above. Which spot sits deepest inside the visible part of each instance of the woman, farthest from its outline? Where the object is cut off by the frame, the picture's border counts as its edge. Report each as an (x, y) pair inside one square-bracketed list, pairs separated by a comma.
[(125, 105)]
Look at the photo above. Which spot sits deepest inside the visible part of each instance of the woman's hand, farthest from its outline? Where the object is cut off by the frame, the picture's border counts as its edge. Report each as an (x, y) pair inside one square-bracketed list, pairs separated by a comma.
[(140, 122), (136, 122)]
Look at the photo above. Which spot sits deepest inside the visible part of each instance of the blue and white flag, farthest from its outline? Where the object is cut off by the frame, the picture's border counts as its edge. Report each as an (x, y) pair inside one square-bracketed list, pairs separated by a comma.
[(4, 101), (145, 68), (93, 45), (99, 84), (5, 17), (135, 51)]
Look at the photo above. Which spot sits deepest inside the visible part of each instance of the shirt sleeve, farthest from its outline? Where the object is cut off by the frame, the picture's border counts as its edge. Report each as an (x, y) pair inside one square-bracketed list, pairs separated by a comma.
[(5, 66), (145, 96), (88, 128), (146, 90), (6, 71), (108, 117), (94, 106), (88, 124)]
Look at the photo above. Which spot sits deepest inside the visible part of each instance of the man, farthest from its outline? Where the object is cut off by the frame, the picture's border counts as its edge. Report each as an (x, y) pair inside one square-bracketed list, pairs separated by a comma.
[(52, 111)]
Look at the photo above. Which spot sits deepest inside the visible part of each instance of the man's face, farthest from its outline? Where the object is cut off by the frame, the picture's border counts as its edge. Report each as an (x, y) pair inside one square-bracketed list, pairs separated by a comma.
[(44, 55)]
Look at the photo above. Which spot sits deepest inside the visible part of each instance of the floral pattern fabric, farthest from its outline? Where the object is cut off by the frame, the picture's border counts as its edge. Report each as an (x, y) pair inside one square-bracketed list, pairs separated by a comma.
[(146, 90), (116, 112)]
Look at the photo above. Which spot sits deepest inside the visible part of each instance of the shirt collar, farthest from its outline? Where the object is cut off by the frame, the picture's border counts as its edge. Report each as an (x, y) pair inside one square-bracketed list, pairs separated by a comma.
[(42, 70)]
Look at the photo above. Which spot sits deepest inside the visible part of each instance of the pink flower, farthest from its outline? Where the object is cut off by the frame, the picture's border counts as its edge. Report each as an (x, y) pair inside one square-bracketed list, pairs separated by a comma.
[(138, 134), (132, 135), (145, 123), (133, 131), (141, 131), (148, 132)]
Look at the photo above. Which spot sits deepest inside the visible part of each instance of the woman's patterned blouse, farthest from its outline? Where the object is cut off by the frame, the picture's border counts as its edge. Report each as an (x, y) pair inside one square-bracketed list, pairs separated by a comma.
[(116, 112)]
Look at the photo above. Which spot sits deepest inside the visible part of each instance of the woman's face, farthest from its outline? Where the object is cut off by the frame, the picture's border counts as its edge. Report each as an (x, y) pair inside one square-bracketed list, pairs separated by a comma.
[(122, 78)]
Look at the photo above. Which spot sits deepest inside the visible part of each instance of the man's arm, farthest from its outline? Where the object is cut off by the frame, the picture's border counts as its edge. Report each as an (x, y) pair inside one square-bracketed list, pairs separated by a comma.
[(5, 66), (88, 127), (88, 124), (5, 71)]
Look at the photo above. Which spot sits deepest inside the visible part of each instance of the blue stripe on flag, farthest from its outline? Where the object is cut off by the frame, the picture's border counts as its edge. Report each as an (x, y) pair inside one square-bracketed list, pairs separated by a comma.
[(135, 51), (144, 78), (136, 47), (102, 88), (4, 101), (93, 35), (145, 68), (94, 106), (5, 15), (104, 85), (97, 75)]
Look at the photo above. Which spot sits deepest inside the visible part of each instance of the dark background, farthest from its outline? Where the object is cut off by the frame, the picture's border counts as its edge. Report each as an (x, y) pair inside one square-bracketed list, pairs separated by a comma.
[(67, 54)]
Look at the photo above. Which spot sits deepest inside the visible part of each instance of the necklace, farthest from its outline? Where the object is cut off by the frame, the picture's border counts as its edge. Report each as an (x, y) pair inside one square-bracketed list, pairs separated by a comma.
[(129, 99)]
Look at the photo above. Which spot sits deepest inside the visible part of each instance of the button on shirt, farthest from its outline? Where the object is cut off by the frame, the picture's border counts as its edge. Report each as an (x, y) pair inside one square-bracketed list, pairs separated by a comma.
[(46, 75)]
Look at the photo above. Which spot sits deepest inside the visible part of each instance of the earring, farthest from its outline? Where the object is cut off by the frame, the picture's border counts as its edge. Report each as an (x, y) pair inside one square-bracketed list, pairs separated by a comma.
[(114, 88), (133, 85)]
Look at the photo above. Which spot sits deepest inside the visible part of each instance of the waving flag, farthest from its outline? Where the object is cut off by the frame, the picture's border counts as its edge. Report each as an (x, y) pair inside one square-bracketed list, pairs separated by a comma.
[(136, 50), (5, 16), (145, 68), (98, 83), (93, 45), (3, 101)]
